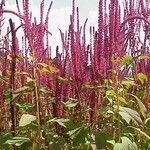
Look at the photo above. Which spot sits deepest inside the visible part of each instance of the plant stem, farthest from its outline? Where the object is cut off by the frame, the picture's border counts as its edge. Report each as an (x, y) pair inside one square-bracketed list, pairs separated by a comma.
[(12, 79), (37, 100), (118, 109), (119, 125)]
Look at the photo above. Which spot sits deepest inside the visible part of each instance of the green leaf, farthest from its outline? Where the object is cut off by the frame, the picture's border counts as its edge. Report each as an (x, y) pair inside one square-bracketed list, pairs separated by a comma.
[(141, 132), (61, 121), (78, 135), (74, 131), (132, 113), (147, 122), (101, 140), (141, 105), (111, 93), (24, 105), (127, 60), (3, 138), (18, 141), (125, 116), (128, 83), (26, 119), (71, 103), (121, 99), (119, 146), (126, 144), (142, 77)]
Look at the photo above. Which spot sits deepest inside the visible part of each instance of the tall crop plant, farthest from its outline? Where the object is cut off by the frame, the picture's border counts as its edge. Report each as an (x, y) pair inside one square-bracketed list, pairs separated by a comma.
[(92, 94)]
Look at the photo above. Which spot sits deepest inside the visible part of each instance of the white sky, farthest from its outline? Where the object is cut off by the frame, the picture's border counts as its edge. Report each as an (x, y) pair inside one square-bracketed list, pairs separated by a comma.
[(59, 15)]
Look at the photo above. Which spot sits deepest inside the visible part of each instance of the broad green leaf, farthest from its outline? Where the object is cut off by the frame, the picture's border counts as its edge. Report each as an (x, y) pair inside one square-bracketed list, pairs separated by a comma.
[(79, 135), (125, 116), (18, 141), (142, 77), (74, 131), (141, 105), (132, 113), (119, 146), (61, 121), (3, 138), (126, 144), (101, 139), (26, 119)]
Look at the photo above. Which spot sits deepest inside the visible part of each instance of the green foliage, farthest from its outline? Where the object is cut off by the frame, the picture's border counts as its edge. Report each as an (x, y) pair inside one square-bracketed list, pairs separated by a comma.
[(142, 77), (126, 144), (87, 97), (19, 141), (61, 121), (127, 60), (3, 138), (71, 103), (101, 139), (26, 119)]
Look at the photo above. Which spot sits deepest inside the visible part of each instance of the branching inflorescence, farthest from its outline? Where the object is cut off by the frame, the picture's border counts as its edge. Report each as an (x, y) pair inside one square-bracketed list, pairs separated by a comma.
[(80, 67)]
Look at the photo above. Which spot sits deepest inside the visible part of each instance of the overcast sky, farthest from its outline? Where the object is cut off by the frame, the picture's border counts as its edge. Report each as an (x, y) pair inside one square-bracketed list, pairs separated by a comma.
[(60, 12)]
